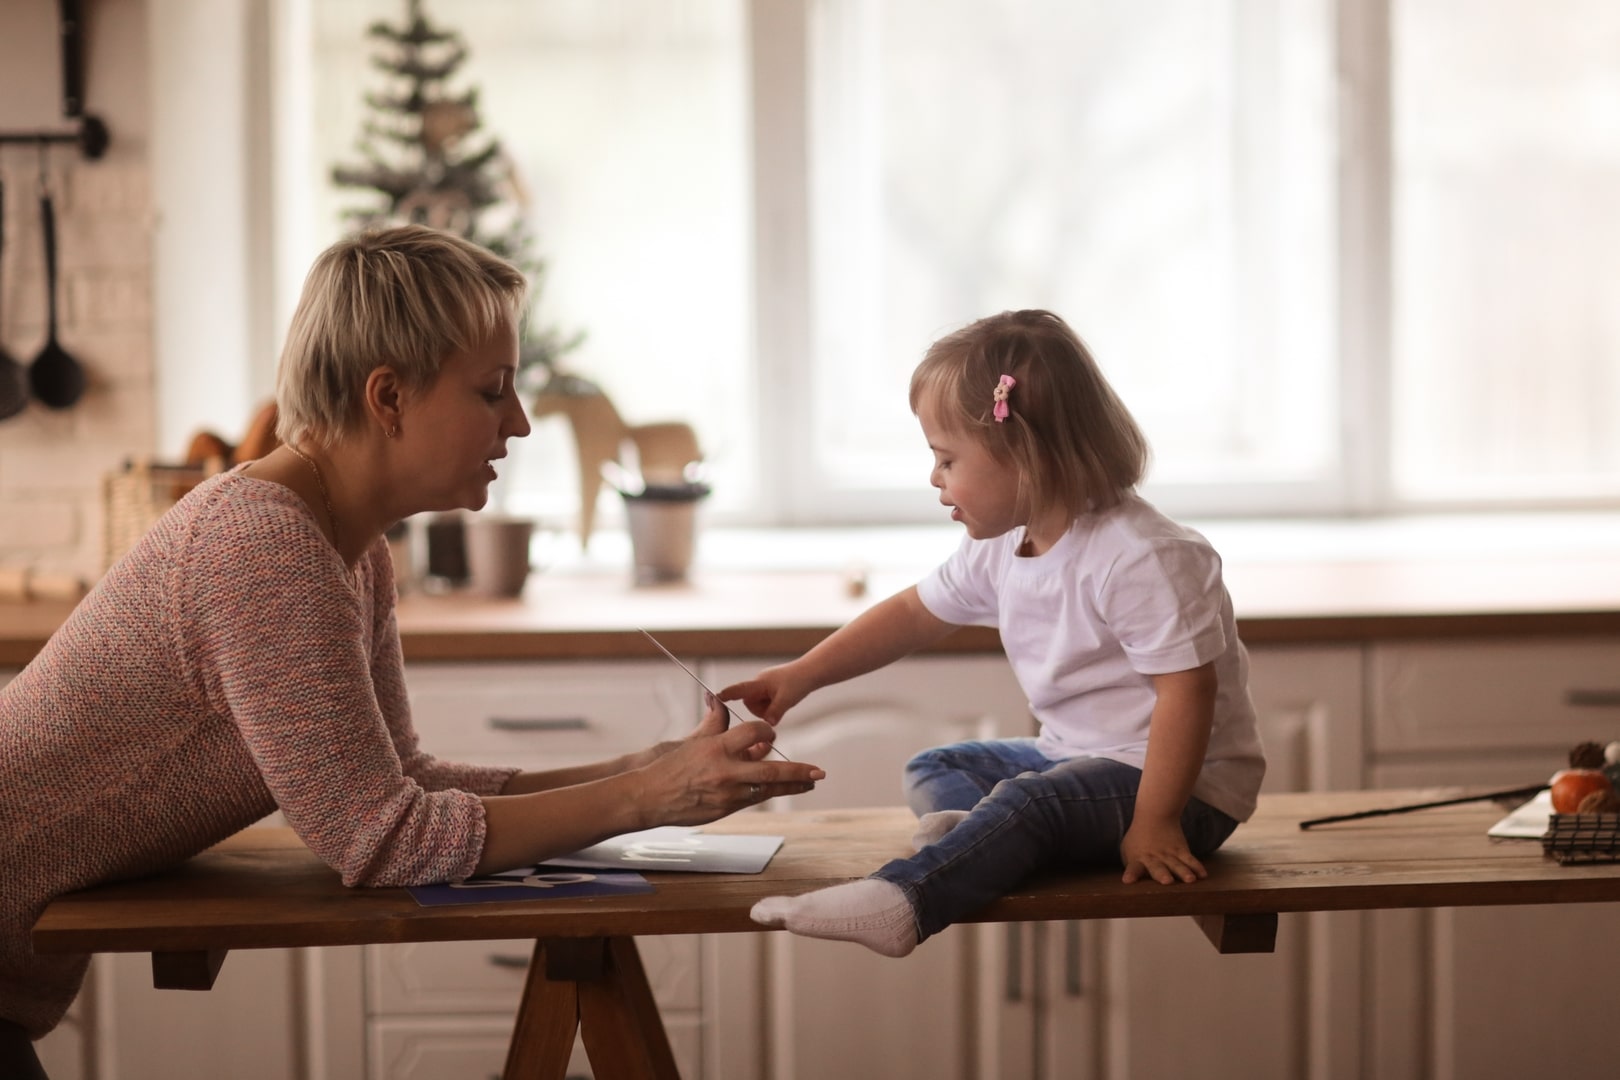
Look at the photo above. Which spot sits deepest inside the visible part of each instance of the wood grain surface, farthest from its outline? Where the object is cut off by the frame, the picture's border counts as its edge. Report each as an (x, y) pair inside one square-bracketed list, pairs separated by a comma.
[(263, 889)]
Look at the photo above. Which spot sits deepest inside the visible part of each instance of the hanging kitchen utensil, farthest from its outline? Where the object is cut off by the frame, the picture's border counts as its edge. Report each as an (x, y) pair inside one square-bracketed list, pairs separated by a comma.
[(13, 376), (55, 376)]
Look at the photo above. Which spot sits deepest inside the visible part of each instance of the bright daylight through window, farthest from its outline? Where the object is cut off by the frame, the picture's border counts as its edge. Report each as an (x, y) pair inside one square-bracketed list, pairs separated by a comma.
[(1337, 257)]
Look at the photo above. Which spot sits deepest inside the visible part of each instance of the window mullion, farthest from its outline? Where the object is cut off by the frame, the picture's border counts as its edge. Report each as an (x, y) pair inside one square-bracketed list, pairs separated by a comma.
[(779, 73), (1365, 238)]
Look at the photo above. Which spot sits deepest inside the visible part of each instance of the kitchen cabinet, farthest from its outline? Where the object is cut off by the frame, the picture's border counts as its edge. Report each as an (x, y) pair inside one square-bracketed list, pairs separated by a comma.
[(1458, 993), (833, 1008), (1425, 995), (245, 1027), (1114, 999), (443, 1010)]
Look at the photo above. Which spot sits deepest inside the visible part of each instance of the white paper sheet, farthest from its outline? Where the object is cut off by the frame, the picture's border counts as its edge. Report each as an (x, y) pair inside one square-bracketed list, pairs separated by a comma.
[(1528, 822)]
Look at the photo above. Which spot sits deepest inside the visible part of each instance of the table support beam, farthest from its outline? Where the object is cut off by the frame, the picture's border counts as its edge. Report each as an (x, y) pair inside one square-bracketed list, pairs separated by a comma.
[(187, 970), (1240, 933)]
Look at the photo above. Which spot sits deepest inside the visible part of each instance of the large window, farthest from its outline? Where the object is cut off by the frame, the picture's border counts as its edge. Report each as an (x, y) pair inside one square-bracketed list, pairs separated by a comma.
[(1337, 257), (627, 126), (1160, 174), (1506, 250)]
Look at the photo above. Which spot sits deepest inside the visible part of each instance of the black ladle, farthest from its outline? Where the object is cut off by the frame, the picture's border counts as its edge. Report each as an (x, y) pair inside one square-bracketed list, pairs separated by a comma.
[(13, 385), (55, 377)]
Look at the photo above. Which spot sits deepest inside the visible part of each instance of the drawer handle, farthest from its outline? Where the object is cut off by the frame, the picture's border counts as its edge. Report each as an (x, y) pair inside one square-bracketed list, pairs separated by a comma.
[(539, 723), (1597, 698), (1072, 984), (514, 961)]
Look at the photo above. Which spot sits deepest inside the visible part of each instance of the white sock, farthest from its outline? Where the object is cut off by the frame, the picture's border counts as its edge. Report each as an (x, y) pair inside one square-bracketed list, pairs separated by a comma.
[(930, 827), (870, 912)]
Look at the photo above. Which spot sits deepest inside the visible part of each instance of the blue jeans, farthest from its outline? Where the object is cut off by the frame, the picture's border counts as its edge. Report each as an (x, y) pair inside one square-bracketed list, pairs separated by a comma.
[(1028, 813)]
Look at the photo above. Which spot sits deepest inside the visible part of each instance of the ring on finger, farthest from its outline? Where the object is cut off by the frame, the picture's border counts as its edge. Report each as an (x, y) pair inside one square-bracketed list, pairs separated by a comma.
[(753, 791)]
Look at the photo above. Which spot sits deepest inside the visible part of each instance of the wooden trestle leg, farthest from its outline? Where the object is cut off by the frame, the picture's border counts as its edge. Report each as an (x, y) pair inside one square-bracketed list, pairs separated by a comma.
[(597, 987)]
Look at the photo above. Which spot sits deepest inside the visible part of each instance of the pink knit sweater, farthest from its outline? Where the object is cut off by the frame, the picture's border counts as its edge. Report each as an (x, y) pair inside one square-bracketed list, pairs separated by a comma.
[(230, 664)]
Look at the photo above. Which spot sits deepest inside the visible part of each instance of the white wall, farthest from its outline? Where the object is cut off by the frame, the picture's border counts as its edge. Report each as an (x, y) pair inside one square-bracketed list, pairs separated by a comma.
[(211, 189)]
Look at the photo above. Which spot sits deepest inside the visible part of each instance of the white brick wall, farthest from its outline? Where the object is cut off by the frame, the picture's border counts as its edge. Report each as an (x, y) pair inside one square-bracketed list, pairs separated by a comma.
[(52, 462)]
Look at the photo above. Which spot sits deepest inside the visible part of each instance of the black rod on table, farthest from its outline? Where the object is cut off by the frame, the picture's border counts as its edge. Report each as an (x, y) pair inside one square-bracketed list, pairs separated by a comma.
[(1510, 793)]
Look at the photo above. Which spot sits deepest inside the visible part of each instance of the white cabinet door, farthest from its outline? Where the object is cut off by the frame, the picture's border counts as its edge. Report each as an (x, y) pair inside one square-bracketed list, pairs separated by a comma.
[(445, 1008), (243, 1028), (1041, 1006), (835, 1009), (1169, 997)]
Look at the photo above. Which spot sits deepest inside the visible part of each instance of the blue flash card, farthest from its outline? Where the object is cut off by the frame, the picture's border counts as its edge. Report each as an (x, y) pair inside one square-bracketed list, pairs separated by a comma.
[(531, 883)]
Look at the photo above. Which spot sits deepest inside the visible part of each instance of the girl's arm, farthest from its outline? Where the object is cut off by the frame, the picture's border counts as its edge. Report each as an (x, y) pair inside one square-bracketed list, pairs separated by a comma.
[(1178, 735), (892, 629)]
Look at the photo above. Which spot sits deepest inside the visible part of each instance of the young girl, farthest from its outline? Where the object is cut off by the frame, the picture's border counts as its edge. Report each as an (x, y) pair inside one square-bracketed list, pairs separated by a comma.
[(1115, 621)]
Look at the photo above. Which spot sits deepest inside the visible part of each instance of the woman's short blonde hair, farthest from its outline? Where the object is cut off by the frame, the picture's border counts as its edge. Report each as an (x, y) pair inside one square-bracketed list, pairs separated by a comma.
[(404, 297), (1071, 439)]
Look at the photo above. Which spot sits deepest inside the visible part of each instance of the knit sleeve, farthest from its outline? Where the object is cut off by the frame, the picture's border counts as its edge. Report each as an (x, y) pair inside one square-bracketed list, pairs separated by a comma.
[(274, 628), (388, 676)]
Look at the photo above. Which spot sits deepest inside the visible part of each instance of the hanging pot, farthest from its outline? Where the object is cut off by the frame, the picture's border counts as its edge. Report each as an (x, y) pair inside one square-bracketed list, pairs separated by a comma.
[(55, 376), (13, 382)]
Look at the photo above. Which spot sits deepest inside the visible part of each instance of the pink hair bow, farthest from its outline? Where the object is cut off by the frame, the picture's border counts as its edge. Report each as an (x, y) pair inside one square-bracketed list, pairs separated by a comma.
[(1003, 388)]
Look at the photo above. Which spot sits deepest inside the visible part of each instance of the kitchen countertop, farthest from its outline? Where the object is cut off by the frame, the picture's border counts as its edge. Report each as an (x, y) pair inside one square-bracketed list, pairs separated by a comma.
[(763, 593)]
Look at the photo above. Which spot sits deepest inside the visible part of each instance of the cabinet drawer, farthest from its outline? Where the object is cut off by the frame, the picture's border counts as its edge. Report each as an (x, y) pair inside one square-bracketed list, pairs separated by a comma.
[(487, 976), (1494, 695), (537, 715)]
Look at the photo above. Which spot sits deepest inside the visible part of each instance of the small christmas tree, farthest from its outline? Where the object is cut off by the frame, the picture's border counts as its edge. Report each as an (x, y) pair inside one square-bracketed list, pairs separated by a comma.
[(420, 157)]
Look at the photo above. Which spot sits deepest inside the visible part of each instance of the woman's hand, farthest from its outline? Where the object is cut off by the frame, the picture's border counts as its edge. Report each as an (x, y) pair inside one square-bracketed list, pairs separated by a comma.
[(771, 693), (718, 770), (692, 781), (1158, 850)]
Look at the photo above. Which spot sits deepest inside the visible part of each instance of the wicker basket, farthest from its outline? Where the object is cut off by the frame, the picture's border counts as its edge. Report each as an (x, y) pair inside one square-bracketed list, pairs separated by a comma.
[(1583, 838), (134, 497)]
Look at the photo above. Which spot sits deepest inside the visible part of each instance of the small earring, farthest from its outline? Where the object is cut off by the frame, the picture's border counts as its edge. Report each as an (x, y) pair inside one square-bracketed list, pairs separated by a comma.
[(393, 431)]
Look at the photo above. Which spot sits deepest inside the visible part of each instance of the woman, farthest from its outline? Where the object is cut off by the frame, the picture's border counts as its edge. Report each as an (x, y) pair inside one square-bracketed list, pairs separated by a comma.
[(244, 656)]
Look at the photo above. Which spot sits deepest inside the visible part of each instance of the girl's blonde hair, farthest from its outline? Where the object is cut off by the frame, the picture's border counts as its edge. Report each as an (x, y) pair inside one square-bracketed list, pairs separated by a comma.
[(1072, 441), (405, 297)]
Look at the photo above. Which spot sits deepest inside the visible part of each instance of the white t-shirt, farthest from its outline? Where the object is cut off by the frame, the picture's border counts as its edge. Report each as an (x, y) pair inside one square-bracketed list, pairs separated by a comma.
[(1124, 595)]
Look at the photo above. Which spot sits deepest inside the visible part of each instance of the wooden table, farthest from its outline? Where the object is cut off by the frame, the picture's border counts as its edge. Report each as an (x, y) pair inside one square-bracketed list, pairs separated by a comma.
[(262, 889)]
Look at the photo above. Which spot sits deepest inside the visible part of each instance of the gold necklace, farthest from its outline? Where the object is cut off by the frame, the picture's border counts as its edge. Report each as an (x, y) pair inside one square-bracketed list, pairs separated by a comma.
[(320, 481)]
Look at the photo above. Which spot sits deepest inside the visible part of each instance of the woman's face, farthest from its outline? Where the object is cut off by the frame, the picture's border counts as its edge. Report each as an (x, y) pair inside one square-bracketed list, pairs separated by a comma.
[(458, 426), (981, 491)]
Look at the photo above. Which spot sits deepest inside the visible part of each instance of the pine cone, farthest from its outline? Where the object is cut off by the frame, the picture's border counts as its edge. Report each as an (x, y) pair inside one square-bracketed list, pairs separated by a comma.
[(1588, 755), (1606, 801)]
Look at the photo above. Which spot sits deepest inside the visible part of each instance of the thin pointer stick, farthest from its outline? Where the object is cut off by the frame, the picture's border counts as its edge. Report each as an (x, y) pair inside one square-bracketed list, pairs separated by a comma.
[(1510, 793), (705, 686)]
